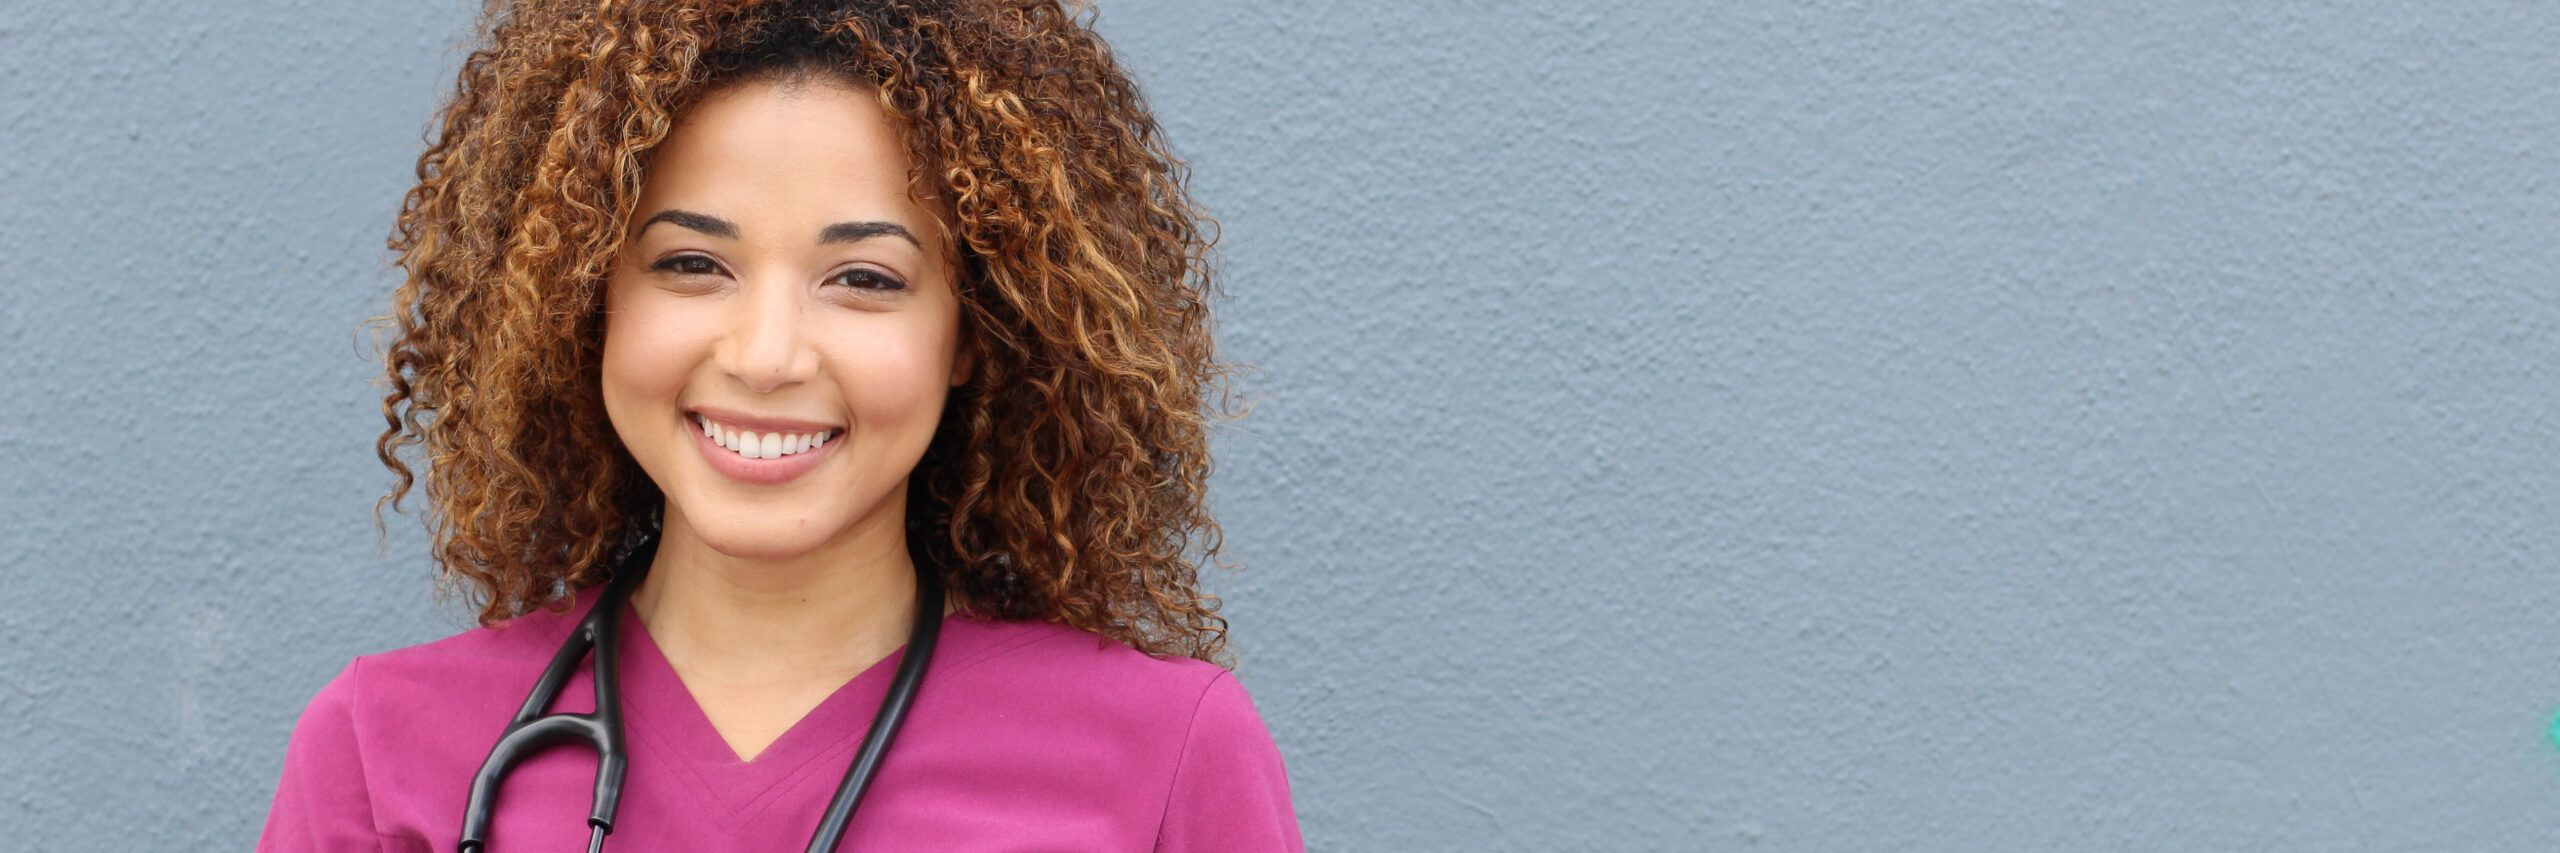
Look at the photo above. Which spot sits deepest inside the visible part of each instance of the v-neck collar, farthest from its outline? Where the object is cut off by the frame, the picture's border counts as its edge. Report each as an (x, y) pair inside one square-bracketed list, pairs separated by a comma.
[(661, 711)]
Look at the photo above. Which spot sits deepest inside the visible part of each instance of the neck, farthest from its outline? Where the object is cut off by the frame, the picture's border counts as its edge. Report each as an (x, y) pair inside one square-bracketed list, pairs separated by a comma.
[(827, 613)]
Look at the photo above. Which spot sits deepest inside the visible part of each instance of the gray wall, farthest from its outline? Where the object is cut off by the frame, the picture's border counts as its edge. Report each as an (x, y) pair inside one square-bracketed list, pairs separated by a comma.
[(1816, 425)]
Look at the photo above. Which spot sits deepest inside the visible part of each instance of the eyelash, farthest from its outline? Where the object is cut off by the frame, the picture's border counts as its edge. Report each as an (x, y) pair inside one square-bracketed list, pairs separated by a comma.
[(879, 282)]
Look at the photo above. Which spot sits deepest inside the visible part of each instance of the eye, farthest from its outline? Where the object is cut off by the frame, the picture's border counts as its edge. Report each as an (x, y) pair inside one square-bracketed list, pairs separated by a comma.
[(687, 265), (865, 279)]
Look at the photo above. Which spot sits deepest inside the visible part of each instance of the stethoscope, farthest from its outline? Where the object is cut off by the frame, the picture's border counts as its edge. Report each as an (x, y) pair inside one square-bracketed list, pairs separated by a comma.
[(533, 731)]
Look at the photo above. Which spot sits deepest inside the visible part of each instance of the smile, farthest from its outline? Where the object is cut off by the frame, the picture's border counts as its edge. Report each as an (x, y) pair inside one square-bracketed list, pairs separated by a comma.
[(750, 444)]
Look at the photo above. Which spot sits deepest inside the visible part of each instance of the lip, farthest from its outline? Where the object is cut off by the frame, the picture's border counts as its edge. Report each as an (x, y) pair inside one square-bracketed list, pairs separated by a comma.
[(742, 420), (758, 471)]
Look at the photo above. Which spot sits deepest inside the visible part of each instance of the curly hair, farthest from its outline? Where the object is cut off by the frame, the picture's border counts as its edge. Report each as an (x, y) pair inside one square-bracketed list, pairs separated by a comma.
[(1066, 481)]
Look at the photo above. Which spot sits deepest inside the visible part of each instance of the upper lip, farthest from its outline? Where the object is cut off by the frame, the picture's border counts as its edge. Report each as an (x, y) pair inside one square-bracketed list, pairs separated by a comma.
[(760, 423)]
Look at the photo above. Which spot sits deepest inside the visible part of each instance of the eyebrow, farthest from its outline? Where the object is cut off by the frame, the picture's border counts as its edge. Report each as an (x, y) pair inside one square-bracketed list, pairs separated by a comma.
[(707, 224), (841, 232), (855, 232)]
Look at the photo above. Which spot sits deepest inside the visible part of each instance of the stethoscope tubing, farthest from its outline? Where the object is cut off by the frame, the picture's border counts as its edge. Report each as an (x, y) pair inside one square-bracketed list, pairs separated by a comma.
[(532, 731), (892, 713)]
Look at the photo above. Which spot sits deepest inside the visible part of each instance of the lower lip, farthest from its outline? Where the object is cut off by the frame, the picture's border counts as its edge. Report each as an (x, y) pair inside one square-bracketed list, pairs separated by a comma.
[(759, 471)]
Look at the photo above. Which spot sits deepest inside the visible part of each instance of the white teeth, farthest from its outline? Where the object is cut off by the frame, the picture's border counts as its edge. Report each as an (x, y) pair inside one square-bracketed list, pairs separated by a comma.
[(766, 445)]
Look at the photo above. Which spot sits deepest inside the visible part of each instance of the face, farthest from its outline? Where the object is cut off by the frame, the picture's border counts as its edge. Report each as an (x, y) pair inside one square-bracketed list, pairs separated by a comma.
[(776, 289)]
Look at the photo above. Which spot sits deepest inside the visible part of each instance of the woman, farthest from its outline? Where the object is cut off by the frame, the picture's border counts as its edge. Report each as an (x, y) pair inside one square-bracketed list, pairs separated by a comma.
[(782, 312)]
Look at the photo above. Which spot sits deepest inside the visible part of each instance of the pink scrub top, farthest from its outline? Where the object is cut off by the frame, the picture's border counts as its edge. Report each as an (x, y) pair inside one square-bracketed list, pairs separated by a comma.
[(1025, 736)]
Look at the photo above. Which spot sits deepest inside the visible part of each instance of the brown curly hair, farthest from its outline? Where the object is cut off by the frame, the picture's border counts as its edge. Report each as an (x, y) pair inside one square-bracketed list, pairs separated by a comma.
[(1066, 481)]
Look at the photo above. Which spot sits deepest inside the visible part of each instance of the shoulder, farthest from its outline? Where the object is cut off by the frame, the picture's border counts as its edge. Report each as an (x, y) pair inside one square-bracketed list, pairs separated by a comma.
[(1056, 683), (392, 675), (455, 678), (321, 801), (1230, 789), (349, 733), (386, 720), (401, 677), (1182, 735), (531, 637), (1058, 664), (462, 674)]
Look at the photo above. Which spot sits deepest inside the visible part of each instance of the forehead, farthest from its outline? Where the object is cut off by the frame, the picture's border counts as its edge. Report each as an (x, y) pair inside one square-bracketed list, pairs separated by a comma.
[(783, 156)]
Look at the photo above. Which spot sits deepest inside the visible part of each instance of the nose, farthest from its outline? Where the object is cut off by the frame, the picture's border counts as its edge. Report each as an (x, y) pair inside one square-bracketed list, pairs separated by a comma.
[(766, 348)]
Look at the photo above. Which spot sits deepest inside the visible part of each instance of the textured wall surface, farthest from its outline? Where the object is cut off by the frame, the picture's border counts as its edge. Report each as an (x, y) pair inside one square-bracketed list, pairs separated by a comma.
[(1817, 425)]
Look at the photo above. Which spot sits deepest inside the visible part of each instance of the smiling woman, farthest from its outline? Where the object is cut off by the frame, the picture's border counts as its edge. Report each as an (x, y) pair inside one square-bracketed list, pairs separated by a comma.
[(838, 374), (776, 290)]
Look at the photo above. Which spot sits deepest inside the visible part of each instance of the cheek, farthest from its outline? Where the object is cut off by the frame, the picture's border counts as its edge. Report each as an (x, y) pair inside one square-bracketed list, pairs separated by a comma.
[(894, 376), (648, 354)]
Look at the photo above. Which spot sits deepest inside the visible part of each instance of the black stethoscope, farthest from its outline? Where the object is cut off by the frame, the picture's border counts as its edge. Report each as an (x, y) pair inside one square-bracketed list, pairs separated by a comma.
[(533, 731)]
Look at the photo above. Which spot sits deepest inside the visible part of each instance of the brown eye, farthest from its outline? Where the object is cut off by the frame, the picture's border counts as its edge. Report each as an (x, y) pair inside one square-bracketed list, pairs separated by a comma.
[(687, 265), (863, 279)]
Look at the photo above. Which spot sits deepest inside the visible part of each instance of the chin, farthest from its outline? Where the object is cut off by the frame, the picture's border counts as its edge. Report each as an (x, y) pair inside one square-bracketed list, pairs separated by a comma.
[(779, 538)]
